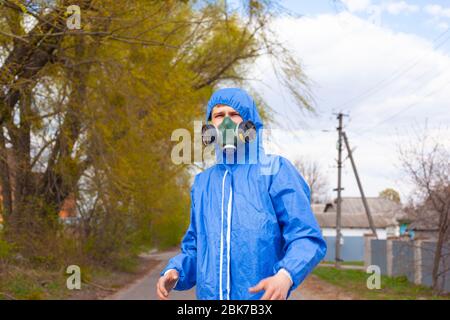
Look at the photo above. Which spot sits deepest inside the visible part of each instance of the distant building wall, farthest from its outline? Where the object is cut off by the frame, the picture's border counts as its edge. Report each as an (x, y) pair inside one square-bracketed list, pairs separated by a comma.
[(353, 232), (351, 250)]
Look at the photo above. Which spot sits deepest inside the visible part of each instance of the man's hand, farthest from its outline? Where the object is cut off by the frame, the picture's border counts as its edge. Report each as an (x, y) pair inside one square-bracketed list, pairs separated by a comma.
[(275, 287), (166, 283)]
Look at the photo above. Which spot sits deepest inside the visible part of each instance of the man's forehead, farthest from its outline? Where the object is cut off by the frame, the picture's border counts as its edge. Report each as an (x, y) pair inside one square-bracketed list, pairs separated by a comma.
[(222, 107)]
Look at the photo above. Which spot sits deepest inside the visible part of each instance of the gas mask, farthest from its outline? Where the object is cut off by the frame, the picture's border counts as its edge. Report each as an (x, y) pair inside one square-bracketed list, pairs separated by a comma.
[(229, 134)]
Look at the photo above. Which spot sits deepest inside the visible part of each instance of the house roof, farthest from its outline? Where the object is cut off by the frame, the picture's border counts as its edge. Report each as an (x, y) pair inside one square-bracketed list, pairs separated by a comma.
[(425, 217), (328, 220), (355, 206), (318, 207), (428, 220), (384, 213)]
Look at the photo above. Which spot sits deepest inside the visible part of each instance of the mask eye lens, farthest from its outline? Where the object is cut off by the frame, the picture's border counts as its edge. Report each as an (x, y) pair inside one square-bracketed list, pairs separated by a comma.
[(209, 134), (247, 131)]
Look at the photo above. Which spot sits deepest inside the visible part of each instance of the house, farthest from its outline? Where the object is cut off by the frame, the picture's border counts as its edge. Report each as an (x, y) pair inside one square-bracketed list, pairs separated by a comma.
[(422, 224), (422, 221), (355, 224)]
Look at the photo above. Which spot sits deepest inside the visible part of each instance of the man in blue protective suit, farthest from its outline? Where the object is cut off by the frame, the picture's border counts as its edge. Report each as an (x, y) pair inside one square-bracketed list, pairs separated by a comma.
[(252, 234)]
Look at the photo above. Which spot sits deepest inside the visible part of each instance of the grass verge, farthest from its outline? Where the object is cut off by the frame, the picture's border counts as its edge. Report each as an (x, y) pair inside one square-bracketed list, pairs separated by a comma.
[(22, 282), (347, 263), (392, 288)]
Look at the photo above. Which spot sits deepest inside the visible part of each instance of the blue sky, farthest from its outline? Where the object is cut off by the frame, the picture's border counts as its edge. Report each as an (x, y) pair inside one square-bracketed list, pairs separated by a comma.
[(388, 70), (418, 19)]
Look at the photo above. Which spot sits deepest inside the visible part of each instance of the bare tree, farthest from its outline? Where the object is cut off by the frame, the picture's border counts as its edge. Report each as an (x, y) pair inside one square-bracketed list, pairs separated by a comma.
[(312, 172), (426, 162)]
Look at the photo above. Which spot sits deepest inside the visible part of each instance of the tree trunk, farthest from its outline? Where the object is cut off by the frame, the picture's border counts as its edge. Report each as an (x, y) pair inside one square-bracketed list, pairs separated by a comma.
[(5, 178), (25, 203), (443, 225)]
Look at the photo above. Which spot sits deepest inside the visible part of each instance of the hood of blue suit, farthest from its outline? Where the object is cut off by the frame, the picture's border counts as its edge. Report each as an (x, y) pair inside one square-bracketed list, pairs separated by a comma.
[(242, 102)]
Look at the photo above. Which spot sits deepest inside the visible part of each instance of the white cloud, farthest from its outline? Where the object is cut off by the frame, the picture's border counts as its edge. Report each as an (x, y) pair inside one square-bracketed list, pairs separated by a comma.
[(400, 79), (391, 7), (439, 16), (356, 5), (400, 7), (442, 26), (437, 10)]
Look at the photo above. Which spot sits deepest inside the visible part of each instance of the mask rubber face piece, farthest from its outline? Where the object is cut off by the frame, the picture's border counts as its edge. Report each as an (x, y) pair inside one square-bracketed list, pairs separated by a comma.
[(228, 134)]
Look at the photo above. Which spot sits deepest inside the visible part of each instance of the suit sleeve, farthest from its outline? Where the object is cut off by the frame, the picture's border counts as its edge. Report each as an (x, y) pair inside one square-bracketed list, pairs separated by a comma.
[(186, 261), (304, 246)]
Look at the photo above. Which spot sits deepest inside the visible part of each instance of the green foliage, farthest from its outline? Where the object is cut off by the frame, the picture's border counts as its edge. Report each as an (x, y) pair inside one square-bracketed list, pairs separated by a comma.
[(6, 249), (390, 194), (37, 284), (22, 288), (98, 117)]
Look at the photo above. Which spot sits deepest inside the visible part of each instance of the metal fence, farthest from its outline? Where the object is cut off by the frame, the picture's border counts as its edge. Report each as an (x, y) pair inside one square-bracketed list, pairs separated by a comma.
[(352, 248), (413, 259)]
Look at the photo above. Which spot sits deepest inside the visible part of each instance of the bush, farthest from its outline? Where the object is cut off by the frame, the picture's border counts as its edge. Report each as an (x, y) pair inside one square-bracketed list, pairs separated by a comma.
[(6, 249)]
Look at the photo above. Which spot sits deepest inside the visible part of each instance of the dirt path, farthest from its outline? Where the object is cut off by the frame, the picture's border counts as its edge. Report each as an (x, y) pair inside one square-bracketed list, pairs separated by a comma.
[(312, 288)]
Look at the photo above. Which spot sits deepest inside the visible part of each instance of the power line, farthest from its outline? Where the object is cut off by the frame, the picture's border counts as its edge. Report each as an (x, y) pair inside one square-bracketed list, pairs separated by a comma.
[(408, 107), (414, 81), (396, 74)]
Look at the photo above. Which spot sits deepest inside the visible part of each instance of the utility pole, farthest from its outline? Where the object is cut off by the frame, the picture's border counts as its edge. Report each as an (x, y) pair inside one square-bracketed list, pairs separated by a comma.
[(366, 206), (338, 189)]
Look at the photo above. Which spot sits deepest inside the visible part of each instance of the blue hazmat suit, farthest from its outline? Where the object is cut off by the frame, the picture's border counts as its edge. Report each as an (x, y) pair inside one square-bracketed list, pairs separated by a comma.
[(250, 216)]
